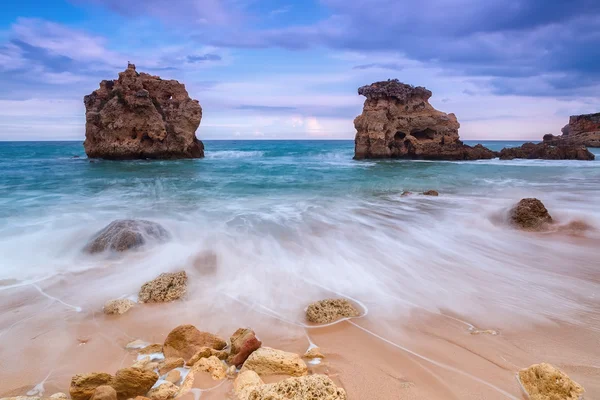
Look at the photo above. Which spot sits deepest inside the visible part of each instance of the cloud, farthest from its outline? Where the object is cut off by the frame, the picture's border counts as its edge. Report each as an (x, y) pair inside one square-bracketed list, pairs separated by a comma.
[(391, 66), (251, 107), (203, 57)]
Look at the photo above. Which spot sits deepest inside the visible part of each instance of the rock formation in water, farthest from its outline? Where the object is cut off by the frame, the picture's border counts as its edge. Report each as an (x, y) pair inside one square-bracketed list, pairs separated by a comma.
[(530, 214), (398, 122), (141, 116), (560, 151), (125, 234), (581, 130)]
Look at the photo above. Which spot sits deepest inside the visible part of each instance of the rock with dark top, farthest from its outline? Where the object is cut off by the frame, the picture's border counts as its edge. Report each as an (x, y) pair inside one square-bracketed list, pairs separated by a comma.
[(530, 214), (141, 116), (581, 130), (431, 193), (545, 151), (398, 122), (243, 343), (126, 234)]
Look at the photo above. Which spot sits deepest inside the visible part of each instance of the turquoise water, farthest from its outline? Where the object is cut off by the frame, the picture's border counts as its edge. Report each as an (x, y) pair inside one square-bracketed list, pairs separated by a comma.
[(271, 211)]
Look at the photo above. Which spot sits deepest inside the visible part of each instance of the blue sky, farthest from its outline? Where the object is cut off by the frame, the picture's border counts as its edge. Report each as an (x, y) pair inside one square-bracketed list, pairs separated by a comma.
[(290, 69)]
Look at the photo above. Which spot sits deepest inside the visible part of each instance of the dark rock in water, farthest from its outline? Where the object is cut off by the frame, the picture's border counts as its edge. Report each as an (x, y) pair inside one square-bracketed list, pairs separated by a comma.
[(530, 214), (547, 152), (141, 116), (431, 193), (125, 234), (581, 130), (398, 122)]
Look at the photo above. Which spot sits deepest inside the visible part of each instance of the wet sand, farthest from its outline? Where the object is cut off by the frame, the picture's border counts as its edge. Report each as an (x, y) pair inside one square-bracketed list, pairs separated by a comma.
[(419, 354)]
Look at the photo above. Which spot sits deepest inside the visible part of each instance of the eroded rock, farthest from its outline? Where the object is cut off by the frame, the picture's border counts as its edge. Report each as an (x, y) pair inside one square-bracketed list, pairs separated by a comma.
[(243, 343), (245, 383), (561, 151), (581, 130), (530, 214), (83, 385), (186, 340), (398, 122), (268, 361), (314, 387), (104, 392), (126, 234), (141, 116), (132, 382), (118, 306), (164, 391), (545, 382), (213, 366), (165, 288), (206, 352), (329, 310)]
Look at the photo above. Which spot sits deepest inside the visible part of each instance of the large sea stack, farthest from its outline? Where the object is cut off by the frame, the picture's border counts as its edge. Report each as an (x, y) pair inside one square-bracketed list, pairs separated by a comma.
[(581, 130), (398, 122), (141, 116)]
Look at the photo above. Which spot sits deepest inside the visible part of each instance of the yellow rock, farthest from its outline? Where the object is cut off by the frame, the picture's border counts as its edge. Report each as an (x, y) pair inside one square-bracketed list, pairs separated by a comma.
[(268, 361), (545, 382), (245, 383), (153, 348), (315, 352), (170, 364), (104, 392), (330, 310), (163, 391), (213, 366), (83, 385), (119, 306), (313, 387), (173, 376)]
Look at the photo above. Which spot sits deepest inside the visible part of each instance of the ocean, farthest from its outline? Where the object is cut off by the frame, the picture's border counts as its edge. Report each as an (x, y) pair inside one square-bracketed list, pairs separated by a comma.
[(288, 222)]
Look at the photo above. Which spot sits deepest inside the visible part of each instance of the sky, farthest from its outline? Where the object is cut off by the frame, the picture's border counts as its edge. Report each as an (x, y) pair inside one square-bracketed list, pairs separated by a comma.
[(290, 69)]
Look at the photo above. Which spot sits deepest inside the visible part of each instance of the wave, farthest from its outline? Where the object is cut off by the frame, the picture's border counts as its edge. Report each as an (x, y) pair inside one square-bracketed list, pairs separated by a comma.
[(234, 154)]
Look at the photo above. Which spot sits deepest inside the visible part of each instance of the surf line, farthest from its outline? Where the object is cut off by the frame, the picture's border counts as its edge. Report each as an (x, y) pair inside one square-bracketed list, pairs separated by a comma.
[(76, 308), (275, 315)]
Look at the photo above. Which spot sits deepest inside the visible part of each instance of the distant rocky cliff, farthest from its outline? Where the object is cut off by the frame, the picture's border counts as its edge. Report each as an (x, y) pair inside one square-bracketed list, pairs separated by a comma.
[(581, 130), (398, 122), (141, 116)]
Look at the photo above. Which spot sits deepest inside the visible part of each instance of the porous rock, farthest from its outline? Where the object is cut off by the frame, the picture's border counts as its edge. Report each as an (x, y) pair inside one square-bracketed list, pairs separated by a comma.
[(213, 366), (132, 382), (186, 340), (165, 288), (530, 214), (163, 391), (546, 382), (83, 385), (315, 352), (329, 310), (126, 234), (398, 122), (59, 396), (314, 387), (268, 361), (118, 306), (206, 352), (243, 343), (141, 116), (245, 383)]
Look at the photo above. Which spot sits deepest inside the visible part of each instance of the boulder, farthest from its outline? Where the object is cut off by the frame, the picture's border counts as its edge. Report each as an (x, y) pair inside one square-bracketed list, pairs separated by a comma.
[(581, 130), (132, 382), (398, 122), (213, 366), (126, 234), (545, 382), (140, 116), (545, 151), (118, 306), (104, 392), (206, 352), (164, 391), (173, 376), (530, 214), (186, 340), (431, 193), (83, 385), (268, 361), (167, 287), (243, 343), (169, 364), (314, 387), (329, 310), (245, 383)]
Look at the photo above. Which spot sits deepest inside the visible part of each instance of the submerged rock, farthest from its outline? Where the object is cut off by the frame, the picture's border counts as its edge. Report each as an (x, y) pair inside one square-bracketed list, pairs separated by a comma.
[(330, 310), (314, 387), (83, 385), (173, 376), (141, 116), (398, 122), (243, 343), (546, 151), (581, 130), (186, 340), (268, 361), (431, 193), (119, 306), (126, 234), (132, 382), (530, 214), (104, 392), (545, 382), (167, 287)]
